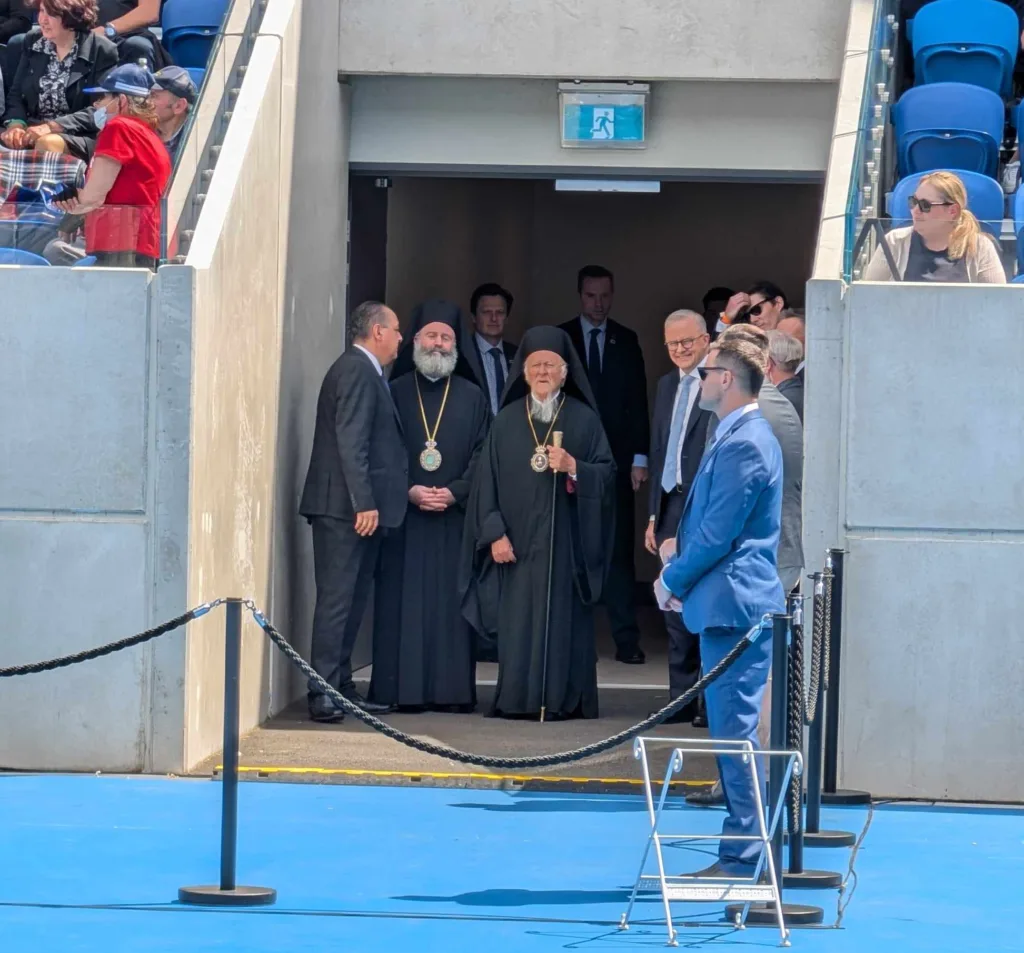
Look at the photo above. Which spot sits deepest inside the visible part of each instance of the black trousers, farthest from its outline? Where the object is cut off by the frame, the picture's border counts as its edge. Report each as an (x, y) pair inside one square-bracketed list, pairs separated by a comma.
[(619, 588), (683, 645), (344, 564)]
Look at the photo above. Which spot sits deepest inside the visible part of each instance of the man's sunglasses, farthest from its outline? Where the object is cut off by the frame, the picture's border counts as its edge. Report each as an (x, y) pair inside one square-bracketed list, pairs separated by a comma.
[(925, 205), (704, 371)]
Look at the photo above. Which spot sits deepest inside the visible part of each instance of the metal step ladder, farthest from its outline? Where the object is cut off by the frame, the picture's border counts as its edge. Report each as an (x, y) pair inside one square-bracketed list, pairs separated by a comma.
[(762, 887)]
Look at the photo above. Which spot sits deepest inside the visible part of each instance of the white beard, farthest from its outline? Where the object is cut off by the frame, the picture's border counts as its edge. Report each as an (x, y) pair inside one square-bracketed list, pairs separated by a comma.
[(434, 364), (544, 410)]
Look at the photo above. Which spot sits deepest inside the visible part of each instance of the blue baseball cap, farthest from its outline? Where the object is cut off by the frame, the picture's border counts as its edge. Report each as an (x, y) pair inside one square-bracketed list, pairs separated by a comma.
[(128, 79), (176, 80)]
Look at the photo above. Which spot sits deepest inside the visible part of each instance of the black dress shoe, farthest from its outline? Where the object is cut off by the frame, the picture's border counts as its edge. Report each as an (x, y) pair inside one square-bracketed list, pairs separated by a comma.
[(323, 710), (700, 720), (631, 656), (710, 797), (371, 708)]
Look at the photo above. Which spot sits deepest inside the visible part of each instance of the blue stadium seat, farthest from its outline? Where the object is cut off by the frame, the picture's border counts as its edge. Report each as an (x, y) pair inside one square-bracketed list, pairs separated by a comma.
[(86, 262), (15, 256), (984, 198), (198, 75), (966, 41), (1019, 280), (949, 125), (189, 28)]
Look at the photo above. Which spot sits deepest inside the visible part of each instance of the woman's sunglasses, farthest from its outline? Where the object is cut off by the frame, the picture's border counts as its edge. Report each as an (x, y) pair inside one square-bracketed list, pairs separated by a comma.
[(925, 205)]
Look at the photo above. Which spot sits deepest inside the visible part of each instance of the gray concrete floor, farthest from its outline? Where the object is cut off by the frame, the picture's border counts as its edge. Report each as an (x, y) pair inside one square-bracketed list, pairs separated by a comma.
[(290, 747)]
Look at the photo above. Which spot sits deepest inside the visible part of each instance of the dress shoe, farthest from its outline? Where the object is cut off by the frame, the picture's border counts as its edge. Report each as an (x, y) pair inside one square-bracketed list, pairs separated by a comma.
[(717, 871), (700, 719), (631, 656), (371, 708), (709, 797), (322, 709)]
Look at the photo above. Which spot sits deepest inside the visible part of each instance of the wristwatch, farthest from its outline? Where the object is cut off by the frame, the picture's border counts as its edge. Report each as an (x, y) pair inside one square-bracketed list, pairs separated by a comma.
[(110, 32)]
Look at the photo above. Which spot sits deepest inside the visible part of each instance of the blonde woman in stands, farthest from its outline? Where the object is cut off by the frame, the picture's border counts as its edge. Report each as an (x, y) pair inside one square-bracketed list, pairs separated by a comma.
[(945, 243)]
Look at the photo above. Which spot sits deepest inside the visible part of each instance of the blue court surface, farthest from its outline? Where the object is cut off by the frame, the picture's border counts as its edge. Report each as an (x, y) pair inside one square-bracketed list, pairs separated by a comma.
[(94, 863)]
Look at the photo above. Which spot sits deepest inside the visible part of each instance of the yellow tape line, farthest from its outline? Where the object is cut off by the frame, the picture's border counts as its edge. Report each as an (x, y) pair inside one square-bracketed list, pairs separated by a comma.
[(365, 772)]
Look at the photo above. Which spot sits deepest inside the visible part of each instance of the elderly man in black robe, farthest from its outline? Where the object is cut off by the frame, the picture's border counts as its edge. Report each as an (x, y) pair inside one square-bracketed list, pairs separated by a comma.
[(539, 531), (422, 645)]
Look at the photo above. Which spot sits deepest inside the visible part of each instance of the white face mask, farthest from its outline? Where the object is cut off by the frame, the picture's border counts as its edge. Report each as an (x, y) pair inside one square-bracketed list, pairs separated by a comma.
[(100, 116)]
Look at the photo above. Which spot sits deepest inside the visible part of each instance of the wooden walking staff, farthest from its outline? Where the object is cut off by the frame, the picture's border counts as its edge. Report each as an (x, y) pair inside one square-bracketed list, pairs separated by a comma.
[(556, 441)]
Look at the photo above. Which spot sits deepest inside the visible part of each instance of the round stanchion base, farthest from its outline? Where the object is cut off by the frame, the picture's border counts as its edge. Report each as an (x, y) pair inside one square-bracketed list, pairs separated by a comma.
[(213, 896), (845, 797), (828, 839), (812, 880), (763, 914)]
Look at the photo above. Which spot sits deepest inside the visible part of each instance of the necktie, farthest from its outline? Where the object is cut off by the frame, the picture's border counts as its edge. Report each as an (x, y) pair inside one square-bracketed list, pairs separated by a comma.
[(499, 376), (675, 434), (594, 359)]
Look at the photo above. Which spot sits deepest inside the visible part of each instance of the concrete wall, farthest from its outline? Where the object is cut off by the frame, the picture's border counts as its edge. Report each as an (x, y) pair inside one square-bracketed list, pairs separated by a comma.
[(155, 432), (258, 294), (596, 39), (928, 483), (740, 129), (90, 542)]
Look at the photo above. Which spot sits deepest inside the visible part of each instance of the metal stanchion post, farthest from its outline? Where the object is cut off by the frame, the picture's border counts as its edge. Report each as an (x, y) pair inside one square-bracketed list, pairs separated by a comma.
[(797, 876), (227, 893), (830, 793), (814, 836), (793, 913)]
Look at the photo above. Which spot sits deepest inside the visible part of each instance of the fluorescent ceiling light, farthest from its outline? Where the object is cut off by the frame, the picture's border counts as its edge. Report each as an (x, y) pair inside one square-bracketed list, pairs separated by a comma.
[(607, 185)]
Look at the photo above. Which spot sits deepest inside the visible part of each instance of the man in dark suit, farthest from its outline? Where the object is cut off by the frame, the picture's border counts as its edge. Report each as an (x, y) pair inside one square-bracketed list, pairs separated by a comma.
[(678, 435), (489, 355), (615, 366), (355, 488), (785, 355)]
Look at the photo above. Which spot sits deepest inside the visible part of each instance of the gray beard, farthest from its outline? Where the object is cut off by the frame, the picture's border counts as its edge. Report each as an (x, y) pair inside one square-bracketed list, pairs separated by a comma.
[(435, 364), (544, 410)]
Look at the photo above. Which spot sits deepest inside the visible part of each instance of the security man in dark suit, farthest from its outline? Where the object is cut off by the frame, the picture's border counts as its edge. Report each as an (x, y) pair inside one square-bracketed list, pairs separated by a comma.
[(678, 436), (615, 365), (488, 353), (356, 488)]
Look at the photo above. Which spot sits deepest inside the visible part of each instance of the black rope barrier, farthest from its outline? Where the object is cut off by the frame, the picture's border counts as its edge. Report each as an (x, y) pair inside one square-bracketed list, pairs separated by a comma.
[(427, 747), (35, 668), (490, 761), (795, 733), (814, 836), (834, 564)]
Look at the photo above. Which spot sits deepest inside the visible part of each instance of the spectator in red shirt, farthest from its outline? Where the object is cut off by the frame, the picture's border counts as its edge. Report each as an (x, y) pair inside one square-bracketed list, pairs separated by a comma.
[(121, 196)]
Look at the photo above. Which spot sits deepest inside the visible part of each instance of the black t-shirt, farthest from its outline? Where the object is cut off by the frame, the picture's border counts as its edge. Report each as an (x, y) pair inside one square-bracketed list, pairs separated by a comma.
[(113, 9), (926, 265)]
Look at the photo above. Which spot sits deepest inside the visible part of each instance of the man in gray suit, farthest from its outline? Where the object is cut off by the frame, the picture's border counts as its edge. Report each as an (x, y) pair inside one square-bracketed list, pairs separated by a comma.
[(785, 355), (785, 424)]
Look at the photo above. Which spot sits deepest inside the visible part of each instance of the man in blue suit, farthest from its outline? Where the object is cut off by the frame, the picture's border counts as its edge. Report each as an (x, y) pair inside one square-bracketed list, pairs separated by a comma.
[(723, 575)]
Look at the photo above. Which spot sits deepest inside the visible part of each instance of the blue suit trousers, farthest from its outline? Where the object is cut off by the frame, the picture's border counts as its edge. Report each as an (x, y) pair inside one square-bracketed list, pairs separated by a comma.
[(734, 707)]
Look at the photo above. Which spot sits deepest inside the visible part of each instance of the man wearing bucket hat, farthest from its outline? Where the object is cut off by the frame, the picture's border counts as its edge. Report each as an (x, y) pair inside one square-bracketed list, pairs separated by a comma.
[(173, 95), (121, 195)]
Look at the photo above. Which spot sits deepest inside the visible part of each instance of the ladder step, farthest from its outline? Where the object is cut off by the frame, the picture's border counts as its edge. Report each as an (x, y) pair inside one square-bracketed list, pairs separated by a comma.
[(709, 891)]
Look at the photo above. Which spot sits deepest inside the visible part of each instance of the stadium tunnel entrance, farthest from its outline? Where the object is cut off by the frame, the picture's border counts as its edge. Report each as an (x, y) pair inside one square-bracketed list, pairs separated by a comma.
[(667, 242)]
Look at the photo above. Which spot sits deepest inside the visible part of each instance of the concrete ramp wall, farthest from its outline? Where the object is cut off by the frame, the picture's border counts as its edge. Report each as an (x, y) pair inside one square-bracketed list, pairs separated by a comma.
[(156, 430)]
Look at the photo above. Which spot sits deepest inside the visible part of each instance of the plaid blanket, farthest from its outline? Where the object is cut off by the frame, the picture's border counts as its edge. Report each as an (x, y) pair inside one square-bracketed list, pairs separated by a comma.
[(32, 170)]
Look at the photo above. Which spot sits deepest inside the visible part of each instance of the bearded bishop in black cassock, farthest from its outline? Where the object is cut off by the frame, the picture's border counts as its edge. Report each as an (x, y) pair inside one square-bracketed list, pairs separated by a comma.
[(509, 601), (422, 645)]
